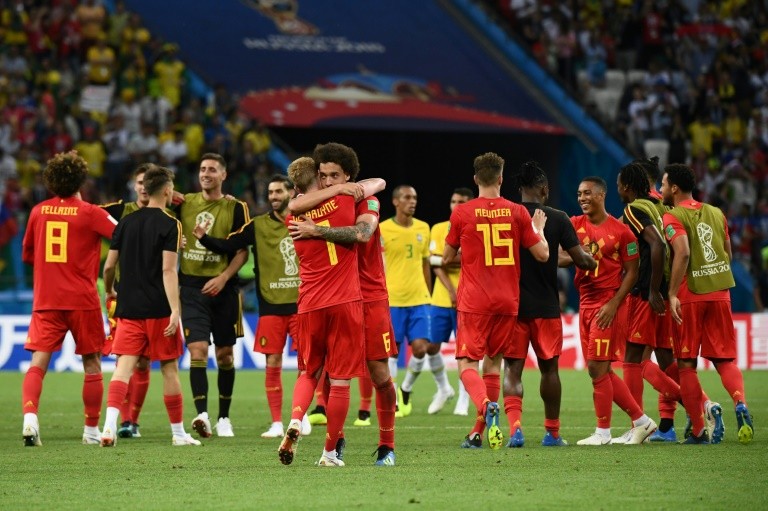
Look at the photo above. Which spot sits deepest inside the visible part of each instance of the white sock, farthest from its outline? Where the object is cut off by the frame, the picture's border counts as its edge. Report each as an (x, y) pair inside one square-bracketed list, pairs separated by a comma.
[(463, 394), (330, 454), (392, 362), (177, 429), (437, 364), (31, 419), (91, 430), (603, 432), (111, 419), (280, 424), (414, 369), (642, 421)]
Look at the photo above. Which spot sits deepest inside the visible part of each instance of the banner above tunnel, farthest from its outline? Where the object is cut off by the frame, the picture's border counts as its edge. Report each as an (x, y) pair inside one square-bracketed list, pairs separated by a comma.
[(385, 64)]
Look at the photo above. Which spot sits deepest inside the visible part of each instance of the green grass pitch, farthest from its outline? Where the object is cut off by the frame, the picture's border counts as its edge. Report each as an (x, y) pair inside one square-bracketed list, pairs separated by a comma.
[(431, 473)]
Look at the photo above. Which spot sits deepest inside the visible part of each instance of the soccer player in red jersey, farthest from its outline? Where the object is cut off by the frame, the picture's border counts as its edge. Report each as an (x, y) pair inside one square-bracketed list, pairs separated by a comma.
[(489, 230), (148, 310), (539, 324), (63, 244), (602, 312), (700, 300), (330, 317), (338, 165), (664, 350)]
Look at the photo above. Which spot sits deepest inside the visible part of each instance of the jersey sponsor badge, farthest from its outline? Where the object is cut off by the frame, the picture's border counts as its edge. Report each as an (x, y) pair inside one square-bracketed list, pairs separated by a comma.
[(373, 205), (419, 238), (632, 248), (670, 231)]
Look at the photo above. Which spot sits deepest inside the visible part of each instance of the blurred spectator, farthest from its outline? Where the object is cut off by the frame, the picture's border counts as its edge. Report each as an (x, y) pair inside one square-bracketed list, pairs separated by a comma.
[(94, 152), (170, 75)]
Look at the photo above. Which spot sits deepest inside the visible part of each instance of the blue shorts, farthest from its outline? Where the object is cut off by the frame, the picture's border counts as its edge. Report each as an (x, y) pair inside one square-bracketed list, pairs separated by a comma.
[(411, 323), (443, 321)]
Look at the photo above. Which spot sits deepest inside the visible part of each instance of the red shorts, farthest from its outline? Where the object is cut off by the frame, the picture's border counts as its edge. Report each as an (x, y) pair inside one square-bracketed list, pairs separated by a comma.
[(707, 327), (49, 327), (645, 326), (544, 334), (144, 337), (478, 335), (379, 336), (603, 343), (333, 338), (272, 331)]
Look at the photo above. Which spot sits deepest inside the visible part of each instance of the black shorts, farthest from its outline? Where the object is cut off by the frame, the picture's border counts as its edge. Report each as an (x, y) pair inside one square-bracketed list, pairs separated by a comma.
[(220, 315)]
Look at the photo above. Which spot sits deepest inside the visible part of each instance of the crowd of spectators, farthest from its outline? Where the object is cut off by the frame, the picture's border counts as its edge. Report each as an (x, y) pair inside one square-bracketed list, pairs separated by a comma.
[(689, 82), (76, 76)]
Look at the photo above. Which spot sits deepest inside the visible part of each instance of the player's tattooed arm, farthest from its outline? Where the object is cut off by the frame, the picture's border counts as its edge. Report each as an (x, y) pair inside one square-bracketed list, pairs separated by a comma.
[(361, 232)]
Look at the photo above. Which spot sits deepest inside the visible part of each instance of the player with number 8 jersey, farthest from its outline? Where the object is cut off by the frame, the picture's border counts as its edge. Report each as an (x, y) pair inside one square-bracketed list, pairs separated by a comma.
[(63, 244)]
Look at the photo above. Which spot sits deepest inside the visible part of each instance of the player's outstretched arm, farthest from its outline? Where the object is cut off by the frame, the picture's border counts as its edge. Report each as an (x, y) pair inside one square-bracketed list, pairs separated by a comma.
[(307, 201), (171, 286), (237, 240), (361, 232), (681, 254), (110, 266), (652, 236), (576, 255), (540, 250), (372, 186)]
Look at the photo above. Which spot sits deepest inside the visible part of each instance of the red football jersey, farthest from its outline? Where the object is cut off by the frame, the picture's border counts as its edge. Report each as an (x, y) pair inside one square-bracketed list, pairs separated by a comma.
[(373, 282), (63, 244), (490, 233), (329, 271), (610, 243)]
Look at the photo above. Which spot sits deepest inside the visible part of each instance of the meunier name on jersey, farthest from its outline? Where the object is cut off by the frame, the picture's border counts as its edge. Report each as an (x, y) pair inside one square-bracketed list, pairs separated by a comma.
[(492, 213), (59, 210)]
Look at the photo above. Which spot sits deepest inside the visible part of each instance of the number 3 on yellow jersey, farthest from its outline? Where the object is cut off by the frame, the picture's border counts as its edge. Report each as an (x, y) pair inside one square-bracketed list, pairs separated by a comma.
[(492, 238)]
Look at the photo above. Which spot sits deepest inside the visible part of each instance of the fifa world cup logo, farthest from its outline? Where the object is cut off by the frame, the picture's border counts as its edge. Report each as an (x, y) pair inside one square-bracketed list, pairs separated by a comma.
[(705, 238), (205, 218), (288, 252)]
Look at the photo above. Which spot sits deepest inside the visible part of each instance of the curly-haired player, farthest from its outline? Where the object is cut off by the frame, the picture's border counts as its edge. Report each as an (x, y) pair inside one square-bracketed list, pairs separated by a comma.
[(63, 244)]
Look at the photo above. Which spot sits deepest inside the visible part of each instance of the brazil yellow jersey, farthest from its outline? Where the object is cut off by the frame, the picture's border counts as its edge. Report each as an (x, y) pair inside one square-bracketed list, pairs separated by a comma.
[(405, 249), (440, 296)]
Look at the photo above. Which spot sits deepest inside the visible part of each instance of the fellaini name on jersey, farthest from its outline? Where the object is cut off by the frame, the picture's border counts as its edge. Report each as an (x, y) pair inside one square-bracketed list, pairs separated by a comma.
[(492, 213), (323, 210), (59, 210)]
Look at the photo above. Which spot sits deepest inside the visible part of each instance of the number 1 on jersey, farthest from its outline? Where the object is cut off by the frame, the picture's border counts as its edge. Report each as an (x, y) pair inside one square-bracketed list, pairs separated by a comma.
[(331, 246)]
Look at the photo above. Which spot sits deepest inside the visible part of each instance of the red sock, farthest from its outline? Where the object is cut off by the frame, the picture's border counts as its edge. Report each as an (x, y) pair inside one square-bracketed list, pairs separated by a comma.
[(174, 405), (673, 372), (302, 396), (733, 380), (93, 396), (492, 386), (116, 393), (319, 395), (552, 426), (602, 397), (663, 384), (475, 387), (386, 397), (513, 407), (326, 388), (633, 379), (137, 389), (690, 389), (31, 389), (125, 406), (667, 407), (623, 398), (366, 392), (274, 386), (336, 411)]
